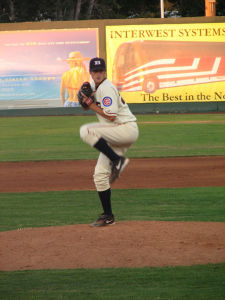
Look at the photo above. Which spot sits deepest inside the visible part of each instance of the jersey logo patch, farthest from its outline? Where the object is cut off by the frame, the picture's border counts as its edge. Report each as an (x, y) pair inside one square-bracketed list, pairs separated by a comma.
[(107, 101)]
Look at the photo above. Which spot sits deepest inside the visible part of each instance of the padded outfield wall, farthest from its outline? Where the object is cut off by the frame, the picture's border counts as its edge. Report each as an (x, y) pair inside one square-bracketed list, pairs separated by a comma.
[(149, 83)]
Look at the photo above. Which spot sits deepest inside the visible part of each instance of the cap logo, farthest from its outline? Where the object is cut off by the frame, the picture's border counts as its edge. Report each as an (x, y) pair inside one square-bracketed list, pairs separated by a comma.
[(97, 62), (107, 101)]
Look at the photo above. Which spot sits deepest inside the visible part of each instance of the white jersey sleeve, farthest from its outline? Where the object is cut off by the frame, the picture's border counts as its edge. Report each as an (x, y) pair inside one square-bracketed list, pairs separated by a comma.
[(109, 99)]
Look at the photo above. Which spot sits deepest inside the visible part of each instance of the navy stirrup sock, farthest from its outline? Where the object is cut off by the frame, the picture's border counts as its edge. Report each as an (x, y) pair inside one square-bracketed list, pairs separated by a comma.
[(105, 197), (103, 147)]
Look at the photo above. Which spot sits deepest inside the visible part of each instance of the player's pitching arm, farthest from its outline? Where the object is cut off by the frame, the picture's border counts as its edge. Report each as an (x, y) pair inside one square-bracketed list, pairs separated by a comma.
[(100, 111)]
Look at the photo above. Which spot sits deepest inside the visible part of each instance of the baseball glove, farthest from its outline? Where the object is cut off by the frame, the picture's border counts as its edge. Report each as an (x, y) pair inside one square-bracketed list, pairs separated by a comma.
[(84, 95)]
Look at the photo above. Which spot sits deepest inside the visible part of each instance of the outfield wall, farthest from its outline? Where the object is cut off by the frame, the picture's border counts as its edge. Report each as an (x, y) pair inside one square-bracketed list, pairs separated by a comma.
[(101, 25), (148, 108)]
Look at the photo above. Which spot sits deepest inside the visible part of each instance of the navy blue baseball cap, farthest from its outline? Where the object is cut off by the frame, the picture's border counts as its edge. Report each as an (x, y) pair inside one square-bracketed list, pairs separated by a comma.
[(97, 64)]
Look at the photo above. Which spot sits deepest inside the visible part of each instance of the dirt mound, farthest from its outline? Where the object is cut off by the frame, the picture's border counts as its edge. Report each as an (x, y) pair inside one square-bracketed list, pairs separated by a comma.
[(125, 244)]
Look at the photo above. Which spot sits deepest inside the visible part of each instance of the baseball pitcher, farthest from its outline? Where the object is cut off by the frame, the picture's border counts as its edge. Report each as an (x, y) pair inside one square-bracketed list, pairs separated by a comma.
[(115, 132)]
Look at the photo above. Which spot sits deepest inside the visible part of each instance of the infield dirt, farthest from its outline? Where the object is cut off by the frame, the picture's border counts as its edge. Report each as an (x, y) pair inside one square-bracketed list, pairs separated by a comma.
[(125, 244), (174, 172)]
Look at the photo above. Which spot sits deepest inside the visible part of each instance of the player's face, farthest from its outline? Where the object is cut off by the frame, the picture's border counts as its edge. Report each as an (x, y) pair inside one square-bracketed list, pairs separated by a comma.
[(98, 76)]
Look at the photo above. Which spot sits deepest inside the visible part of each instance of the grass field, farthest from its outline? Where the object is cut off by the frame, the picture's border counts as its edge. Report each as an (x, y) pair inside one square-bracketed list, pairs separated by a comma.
[(171, 283), (21, 210), (57, 138), (50, 138)]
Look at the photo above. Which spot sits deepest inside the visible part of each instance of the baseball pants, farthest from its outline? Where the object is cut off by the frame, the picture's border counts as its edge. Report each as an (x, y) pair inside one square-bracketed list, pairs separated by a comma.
[(119, 136)]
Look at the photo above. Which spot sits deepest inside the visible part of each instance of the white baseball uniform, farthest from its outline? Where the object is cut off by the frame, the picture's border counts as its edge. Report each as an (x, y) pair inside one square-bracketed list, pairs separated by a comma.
[(120, 134)]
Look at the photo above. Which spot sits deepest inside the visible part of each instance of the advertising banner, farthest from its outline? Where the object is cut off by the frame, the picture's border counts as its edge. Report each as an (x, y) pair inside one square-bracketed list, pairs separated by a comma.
[(167, 63), (44, 68)]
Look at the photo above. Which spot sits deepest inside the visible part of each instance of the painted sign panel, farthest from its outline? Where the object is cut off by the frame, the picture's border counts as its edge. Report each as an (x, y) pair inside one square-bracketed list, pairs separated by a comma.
[(167, 63), (38, 67)]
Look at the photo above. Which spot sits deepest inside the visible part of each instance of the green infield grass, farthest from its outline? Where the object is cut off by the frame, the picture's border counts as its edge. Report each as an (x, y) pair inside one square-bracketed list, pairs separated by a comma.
[(21, 210), (204, 282), (57, 138)]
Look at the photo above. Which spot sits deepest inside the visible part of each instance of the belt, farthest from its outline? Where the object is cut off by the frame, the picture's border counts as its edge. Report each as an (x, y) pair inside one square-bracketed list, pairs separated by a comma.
[(125, 122)]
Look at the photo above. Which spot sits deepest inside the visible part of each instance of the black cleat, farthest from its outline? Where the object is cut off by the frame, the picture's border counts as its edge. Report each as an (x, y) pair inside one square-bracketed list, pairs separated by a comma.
[(117, 168), (103, 220)]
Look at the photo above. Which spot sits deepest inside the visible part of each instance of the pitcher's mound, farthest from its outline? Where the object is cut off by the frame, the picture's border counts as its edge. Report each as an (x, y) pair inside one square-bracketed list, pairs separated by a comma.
[(125, 244)]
